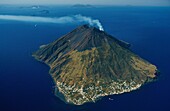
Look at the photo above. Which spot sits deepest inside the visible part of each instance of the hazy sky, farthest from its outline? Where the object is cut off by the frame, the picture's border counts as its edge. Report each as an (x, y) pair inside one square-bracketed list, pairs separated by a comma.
[(99, 2)]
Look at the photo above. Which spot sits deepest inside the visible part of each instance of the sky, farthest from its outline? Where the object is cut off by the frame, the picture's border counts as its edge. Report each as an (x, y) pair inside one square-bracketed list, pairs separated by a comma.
[(96, 2)]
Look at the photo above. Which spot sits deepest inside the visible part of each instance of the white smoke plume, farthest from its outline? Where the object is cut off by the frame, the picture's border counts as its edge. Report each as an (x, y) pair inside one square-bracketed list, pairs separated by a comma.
[(56, 20)]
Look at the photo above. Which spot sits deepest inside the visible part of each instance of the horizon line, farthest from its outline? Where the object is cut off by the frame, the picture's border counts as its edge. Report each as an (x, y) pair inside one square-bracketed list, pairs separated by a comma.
[(81, 4)]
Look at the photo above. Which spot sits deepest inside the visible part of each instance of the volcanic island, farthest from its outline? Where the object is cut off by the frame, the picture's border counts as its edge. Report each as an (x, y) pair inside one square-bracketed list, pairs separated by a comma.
[(88, 64)]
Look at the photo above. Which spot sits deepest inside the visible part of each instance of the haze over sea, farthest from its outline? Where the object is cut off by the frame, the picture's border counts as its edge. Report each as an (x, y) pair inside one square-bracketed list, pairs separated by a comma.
[(25, 84)]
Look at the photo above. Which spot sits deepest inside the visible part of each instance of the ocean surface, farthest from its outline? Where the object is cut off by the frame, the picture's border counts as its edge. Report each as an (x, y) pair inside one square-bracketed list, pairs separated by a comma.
[(25, 84)]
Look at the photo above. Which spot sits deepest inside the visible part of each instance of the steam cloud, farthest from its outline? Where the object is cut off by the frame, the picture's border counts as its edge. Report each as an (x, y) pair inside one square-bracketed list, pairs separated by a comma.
[(56, 20)]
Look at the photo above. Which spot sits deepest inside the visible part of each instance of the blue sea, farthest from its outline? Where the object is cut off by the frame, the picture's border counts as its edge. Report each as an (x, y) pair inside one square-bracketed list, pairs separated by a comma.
[(25, 84)]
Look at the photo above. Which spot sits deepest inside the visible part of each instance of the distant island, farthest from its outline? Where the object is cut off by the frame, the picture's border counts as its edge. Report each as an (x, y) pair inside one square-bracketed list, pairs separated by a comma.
[(87, 64), (35, 7), (83, 6)]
